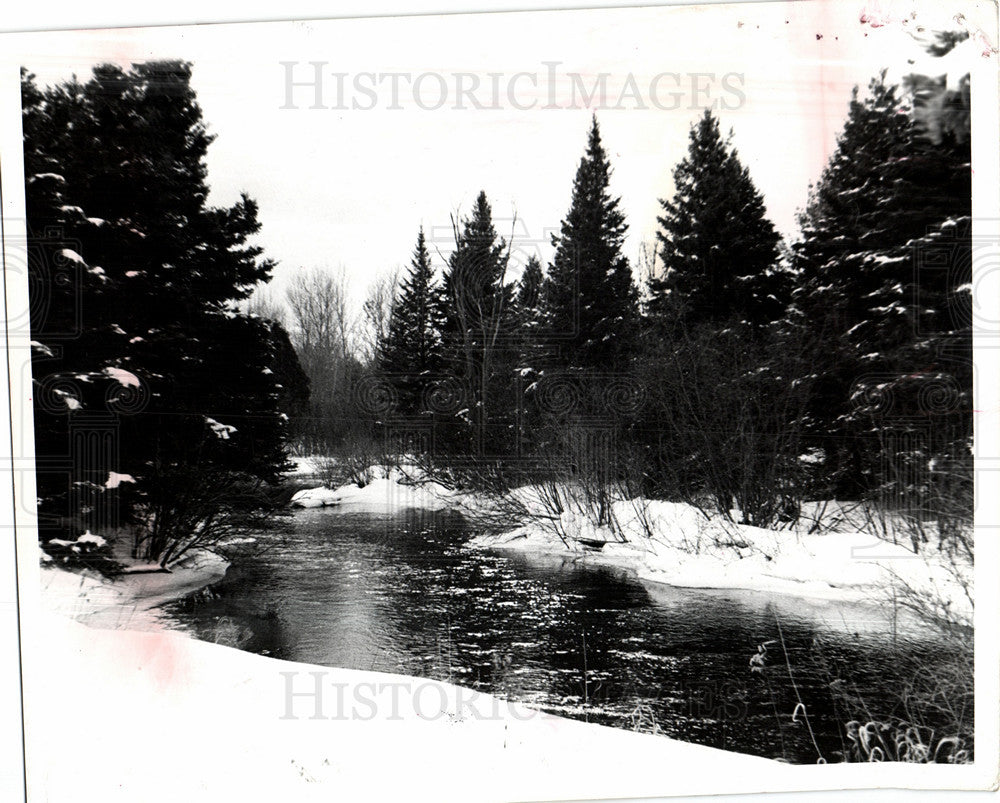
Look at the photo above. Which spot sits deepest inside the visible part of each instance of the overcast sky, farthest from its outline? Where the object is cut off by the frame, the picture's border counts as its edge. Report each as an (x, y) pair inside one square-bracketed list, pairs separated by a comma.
[(350, 186)]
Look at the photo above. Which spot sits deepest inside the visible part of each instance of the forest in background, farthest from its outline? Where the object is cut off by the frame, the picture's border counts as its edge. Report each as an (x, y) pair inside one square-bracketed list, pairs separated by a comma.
[(728, 369)]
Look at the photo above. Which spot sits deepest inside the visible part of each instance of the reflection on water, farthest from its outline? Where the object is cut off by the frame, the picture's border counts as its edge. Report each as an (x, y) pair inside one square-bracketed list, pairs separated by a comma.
[(401, 594)]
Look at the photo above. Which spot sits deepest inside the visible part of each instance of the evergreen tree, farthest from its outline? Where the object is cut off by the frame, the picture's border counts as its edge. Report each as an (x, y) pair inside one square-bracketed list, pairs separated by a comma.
[(477, 327), (587, 327), (721, 389), (589, 302), (411, 353), (528, 315), (883, 258), (527, 345), (476, 298), (146, 332), (529, 286), (720, 253)]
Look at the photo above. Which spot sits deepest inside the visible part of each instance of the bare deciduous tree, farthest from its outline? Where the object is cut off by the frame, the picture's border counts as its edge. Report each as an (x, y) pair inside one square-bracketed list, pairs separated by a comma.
[(264, 304), (320, 319), (323, 332), (375, 314)]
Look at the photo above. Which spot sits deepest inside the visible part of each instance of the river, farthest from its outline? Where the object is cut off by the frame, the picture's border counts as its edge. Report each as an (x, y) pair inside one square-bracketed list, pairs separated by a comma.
[(404, 594)]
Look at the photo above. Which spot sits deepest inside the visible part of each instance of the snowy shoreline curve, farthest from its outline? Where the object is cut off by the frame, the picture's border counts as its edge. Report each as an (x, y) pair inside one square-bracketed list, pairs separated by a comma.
[(675, 544)]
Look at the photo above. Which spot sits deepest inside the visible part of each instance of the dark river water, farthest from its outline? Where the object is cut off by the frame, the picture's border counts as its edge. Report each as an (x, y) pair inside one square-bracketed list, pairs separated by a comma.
[(404, 594)]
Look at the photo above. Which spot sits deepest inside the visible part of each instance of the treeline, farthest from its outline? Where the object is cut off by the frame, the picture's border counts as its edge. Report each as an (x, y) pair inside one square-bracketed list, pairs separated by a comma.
[(160, 410), (744, 374)]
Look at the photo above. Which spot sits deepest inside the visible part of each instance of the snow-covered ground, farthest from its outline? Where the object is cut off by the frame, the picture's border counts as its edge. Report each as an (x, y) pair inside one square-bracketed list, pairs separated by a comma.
[(316, 497), (389, 491), (305, 466), (156, 716), (690, 550), (129, 601)]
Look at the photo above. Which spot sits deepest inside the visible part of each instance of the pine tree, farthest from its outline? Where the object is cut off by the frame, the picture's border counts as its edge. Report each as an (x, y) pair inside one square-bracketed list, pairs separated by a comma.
[(720, 253), (883, 258), (589, 302), (588, 325), (529, 286), (526, 339), (411, 353), (116, 166), (478, 320), (476, 297), (527, 315)]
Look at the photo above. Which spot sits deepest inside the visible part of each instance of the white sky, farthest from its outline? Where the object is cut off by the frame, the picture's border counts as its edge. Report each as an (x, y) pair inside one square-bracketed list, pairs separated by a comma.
[(351, 187)]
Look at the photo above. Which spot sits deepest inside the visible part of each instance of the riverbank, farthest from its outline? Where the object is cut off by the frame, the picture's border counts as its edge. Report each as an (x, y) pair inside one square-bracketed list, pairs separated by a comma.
[(387, 492), (829, 554), (128, 601), (689, 550)]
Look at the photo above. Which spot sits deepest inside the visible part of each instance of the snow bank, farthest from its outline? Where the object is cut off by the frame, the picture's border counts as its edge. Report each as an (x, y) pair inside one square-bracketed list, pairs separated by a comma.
[(689, 550), (115, 479), (128, 601), (315, 497), (389, 494), (391, 491), (307, 466), (159, 717)]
